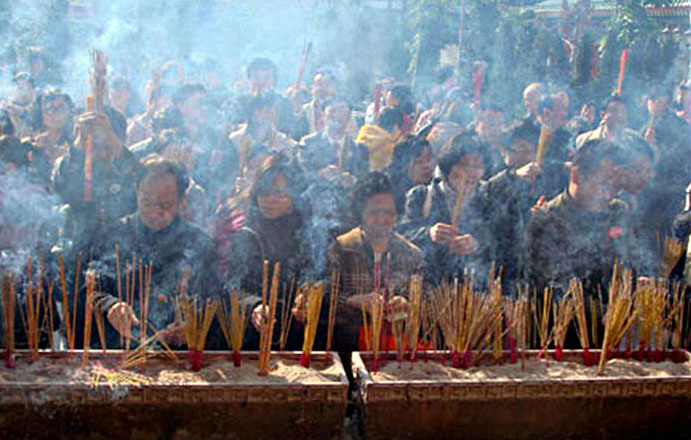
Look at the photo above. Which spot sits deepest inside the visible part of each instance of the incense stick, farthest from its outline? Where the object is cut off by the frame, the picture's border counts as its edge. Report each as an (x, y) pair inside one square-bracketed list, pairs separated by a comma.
[(233, 319), (314, 303)]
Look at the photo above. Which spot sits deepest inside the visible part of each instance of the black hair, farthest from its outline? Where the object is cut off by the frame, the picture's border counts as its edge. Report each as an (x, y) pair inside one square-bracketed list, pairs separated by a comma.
[(277, 164), (369, 185), (524, 131), (183, 93), (258, 64), (612, 99), (12, 150), (404, 94), (405, 151), (23, 76), (156, 166), (6, 125), (444, 73), (589, 157), (459, 146), (49, 95), (337, 99), (391, 117)]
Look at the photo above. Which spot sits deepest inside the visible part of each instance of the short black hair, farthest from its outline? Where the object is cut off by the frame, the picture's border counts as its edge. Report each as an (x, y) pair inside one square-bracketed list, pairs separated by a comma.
[(612, 99), (459, 146), (156, 166), (406, 150), (404, 94), (258, 64), (391, 117), (183, 93), (589, 157), (521, 131), (12, 150), (369, 185), (277, 164)]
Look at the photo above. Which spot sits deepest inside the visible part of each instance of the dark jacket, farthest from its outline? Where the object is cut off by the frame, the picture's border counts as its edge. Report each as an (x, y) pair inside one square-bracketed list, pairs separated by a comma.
[(426, 206), (316, 152)]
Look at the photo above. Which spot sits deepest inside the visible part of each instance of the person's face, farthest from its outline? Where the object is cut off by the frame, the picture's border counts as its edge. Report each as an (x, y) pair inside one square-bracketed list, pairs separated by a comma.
[(522, 151), (55, 113), (119, 97), (635, 177), (158, 201), (531, 99), (24, 92), (595, 191), (379, 217), (194, 108), (422, 168), (490, 126), (262, 80), (616, 116), (336, 116), (469, 169), (275, 202), (322, 87)]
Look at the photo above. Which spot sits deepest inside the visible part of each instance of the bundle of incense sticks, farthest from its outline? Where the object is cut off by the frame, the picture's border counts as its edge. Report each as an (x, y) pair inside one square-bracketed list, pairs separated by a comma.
[(461, 193), (94, 102), (578, 298), (233, 319), (563, 313), (197, 316), (676, 321), (541, 314), (543, 144), (373, 321), (315, 294), (30, 318), (333, 304), (673, 250), (415, 313), (498, 334), (650, 306), (267, 327), (620, 313), (286, 312), (145, 275), (88, 313), (8, 302)]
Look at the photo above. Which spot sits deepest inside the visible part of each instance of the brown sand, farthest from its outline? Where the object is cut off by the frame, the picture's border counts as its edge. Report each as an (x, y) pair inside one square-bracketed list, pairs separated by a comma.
[(217, 371), (535, 369)]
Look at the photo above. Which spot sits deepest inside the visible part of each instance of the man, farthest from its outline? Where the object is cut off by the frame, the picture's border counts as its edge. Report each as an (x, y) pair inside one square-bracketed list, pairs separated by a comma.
[(576, 234), (381, 138), (312, 113), (182, 255), (531, 100), (613, 124), (510, 195), (489, 128), (19, 106), (374, 263), (114, 168), (331, 147), (452, 230), (682, 232)]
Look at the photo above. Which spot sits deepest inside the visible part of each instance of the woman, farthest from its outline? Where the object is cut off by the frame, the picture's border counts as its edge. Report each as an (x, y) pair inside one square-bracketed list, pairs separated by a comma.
[(451, 229), (53, 112), (274, 231), (413, 164)]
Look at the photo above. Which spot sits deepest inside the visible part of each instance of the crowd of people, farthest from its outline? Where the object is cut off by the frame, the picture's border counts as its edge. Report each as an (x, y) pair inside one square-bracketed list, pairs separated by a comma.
[(208, 184)]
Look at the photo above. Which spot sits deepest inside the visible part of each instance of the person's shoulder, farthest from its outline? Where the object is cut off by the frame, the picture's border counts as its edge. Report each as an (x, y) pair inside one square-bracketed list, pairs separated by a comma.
[(351, 239)]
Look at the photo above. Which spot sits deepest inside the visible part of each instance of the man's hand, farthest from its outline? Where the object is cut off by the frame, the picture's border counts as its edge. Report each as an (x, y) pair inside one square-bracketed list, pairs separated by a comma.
[(365, 300), (529, 171), (173, 334), (105, 143), (260, 316), (398, 305), (442, 233), (463, 245), (299, 309), (121, 317)]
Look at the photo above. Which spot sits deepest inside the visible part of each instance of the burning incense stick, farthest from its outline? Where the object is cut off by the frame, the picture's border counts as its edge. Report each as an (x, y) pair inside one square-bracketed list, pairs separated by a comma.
[(88, 306), (314, 305), (461, 189), (266, 332), (233, 319), (33, 310), (676, 317), (286, 312), (333, 304), (543, 144), (578, 297), (541, 313), (8, 301), (622, 70), (414, 323)]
